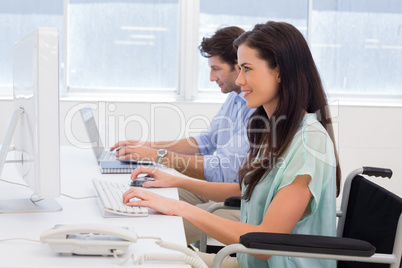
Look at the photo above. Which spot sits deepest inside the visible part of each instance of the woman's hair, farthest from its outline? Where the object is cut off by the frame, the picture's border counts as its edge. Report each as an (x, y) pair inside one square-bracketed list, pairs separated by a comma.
[(221, 44), (282, 45)]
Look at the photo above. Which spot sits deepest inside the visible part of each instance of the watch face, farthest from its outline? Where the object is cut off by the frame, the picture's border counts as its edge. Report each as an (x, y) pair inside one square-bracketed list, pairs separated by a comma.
[(162, 152)]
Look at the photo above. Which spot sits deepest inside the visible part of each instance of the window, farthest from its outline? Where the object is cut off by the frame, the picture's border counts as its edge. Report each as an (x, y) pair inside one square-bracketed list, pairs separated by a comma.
[(244, 14), (357, 45), (122, 45), (17, 18), (148, 47)]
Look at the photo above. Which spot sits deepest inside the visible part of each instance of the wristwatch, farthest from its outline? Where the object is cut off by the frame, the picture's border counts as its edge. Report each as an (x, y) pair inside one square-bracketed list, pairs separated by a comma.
[(161, 153)]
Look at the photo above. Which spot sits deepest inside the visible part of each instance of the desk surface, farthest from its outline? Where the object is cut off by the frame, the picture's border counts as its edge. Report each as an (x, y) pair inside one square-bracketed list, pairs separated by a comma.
[(78, 167)]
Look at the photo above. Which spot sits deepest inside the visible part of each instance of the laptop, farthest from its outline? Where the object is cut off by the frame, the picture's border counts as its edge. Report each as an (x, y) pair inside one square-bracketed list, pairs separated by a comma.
[(100, 152)]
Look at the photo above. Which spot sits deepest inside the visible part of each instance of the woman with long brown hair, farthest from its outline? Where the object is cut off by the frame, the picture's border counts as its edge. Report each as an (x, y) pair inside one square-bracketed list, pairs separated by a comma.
[(291, 177)]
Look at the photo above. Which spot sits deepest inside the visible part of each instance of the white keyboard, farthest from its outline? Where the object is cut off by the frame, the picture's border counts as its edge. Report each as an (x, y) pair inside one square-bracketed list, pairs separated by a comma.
[(111, 196), (108, 156)]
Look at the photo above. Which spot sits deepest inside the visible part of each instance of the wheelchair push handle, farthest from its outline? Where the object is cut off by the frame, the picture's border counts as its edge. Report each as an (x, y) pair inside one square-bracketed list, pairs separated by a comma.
[(377, 172), (233, 201)]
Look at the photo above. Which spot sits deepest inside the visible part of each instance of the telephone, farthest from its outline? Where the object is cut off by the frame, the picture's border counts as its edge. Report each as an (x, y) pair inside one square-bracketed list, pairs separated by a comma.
[(88, 239), (92, 239)]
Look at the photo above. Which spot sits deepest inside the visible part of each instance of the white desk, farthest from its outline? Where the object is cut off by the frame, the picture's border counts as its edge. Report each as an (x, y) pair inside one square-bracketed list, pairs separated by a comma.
[(78, 167)]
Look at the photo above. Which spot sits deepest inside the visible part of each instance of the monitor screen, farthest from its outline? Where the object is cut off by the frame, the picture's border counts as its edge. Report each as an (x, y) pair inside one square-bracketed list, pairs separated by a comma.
[(92, 131), (36, 136)]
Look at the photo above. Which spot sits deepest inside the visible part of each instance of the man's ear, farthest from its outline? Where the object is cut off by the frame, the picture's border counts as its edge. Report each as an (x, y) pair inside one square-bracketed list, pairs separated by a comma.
[(236, 67)]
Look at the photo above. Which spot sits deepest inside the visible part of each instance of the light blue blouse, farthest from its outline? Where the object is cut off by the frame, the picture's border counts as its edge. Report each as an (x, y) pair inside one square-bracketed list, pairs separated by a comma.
[(311, 152), (224, 144)]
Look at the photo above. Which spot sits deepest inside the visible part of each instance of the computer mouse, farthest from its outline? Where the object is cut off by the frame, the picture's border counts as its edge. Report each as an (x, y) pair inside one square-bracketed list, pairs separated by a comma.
[(140, 180)]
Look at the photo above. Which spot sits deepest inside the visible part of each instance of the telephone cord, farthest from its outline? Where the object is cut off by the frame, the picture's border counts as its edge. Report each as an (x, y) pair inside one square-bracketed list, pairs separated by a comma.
[(190, 256)]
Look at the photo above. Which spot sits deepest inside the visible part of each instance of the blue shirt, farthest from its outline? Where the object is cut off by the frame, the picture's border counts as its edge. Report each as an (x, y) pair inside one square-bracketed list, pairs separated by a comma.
[(224, 144), (311, 152)]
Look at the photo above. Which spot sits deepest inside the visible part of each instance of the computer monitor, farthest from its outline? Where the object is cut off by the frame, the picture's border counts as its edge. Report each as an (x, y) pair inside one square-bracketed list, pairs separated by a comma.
[(35, 123)]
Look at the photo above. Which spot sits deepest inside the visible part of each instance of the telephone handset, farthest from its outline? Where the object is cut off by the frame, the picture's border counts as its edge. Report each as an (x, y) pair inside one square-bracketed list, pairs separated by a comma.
[(88, 239)]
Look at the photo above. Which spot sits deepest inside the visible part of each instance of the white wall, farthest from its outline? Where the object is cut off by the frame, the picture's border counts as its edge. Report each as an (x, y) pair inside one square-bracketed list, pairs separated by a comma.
[(370, 136)]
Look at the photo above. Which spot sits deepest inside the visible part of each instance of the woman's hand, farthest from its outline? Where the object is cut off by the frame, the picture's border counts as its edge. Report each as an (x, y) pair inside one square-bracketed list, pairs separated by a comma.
[(162, 179), (145, 198)]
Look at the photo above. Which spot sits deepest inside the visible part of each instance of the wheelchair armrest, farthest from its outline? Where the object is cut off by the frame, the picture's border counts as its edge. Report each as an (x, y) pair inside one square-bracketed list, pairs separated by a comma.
[(233, 201), (308, 243)]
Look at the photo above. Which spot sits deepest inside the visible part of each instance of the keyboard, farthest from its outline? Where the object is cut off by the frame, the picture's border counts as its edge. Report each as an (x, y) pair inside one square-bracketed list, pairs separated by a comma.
[(108, 156), (111, 199)]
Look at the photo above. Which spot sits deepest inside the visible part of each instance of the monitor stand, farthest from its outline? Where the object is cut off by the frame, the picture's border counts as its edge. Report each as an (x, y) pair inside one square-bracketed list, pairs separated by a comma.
[(9, 136), (26, 204)]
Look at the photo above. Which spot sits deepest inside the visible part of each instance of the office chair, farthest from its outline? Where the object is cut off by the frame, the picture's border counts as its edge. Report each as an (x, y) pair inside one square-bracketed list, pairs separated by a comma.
[(369, 231)]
